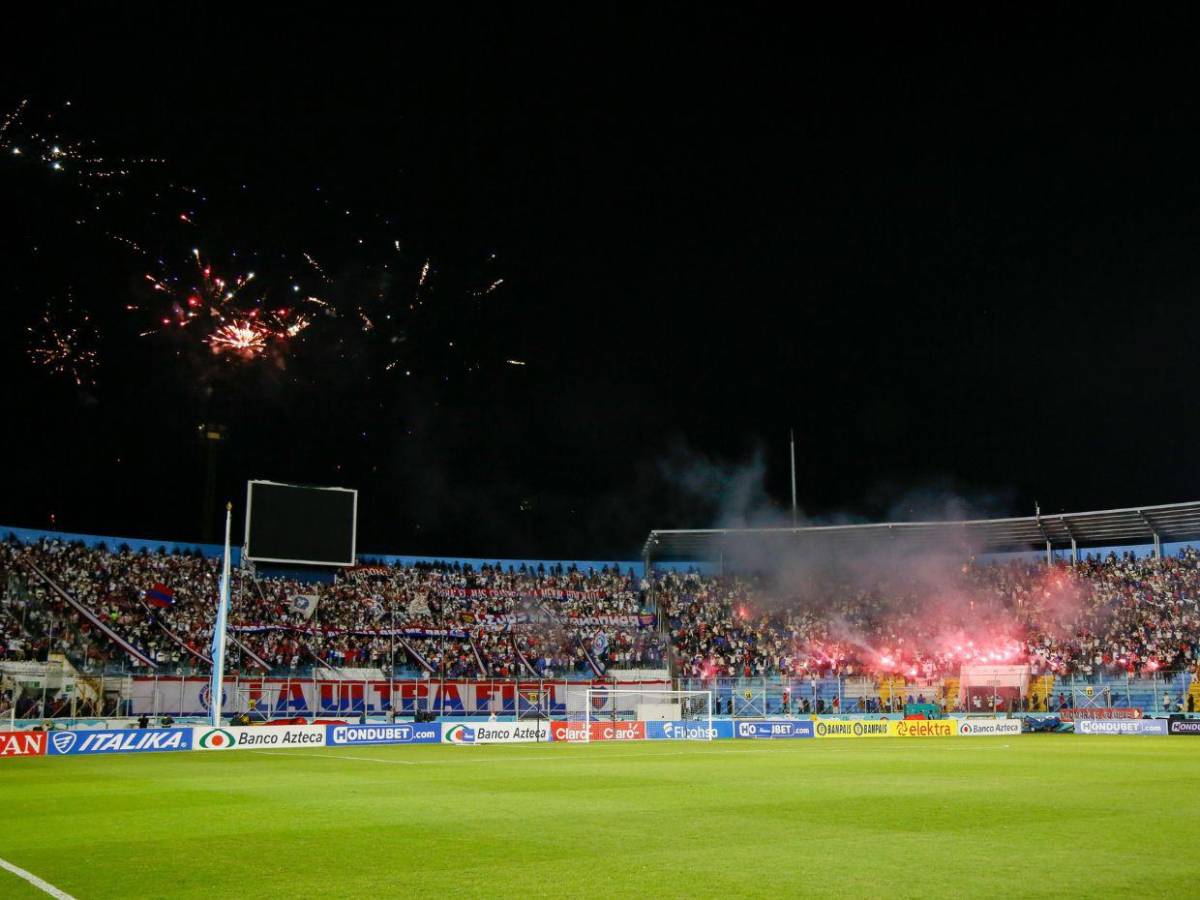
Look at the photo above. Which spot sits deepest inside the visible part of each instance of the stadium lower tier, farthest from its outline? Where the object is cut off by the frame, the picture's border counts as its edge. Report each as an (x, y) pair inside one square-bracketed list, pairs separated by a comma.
[(143, 612)]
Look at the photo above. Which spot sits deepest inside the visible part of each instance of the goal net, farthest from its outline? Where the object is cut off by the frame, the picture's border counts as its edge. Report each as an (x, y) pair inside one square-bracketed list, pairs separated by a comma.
[(617, 713)]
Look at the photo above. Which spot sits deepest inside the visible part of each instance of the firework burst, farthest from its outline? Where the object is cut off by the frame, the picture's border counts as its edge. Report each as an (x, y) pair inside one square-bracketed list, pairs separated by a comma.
[(226, 315), (63, 341)]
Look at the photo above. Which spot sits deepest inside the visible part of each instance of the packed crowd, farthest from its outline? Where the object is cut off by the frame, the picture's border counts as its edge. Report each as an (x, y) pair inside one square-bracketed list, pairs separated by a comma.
[(1100, 616), (1103, 615), (438, 619)]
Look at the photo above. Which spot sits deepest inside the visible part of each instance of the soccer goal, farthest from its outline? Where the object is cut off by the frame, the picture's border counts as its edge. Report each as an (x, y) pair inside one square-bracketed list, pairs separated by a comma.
[(619, 713)]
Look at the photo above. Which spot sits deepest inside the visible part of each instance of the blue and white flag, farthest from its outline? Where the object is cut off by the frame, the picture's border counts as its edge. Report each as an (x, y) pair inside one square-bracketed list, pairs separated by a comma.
[(305, 605)]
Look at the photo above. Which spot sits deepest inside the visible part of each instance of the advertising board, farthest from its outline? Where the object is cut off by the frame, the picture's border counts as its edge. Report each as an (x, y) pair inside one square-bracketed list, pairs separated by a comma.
[(495, 733), (121, 740), (988, 727), (598, 731), (1121, 726), (267, 737), (416, 733), (22, 743), (923, 728), (784, 728), (852, 728), (692, 730)]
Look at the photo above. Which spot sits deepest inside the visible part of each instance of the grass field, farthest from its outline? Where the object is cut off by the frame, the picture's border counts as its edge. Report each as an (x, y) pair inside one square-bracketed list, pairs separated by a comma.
[(1025, 816)]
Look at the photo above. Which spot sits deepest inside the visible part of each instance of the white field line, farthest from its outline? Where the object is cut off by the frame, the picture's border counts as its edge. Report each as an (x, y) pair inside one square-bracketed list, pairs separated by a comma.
[(561, 756), (44, 886)]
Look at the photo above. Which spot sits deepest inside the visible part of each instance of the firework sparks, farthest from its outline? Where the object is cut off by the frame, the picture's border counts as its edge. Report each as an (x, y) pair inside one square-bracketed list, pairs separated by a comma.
[(490, 289), (400, 309), (241, 337), (62, 342), (6, 125), (22, 138), (317, 267), (223, 319)]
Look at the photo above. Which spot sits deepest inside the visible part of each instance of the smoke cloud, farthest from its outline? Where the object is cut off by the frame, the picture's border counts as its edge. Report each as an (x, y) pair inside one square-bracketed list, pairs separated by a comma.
[(886, 594)]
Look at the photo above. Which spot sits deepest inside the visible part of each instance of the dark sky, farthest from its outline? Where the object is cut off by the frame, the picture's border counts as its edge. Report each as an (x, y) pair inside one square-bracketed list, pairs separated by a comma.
[(956, 252)]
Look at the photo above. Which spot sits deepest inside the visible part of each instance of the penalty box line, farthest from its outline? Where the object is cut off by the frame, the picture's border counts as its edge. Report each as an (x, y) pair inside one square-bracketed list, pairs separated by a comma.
[(43, 886)]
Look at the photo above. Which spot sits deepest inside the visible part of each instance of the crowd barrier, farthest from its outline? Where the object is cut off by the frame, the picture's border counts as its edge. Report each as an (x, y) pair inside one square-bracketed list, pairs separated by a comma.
[(283, 737)]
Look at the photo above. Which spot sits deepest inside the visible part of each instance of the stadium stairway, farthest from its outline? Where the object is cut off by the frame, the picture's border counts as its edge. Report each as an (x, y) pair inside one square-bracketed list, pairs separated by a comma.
[(949, 693), (1041, 687), (1194, 694), (891, 687)]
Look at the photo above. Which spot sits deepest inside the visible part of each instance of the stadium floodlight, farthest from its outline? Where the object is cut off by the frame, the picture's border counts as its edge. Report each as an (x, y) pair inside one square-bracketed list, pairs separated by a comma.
[(622, 713)]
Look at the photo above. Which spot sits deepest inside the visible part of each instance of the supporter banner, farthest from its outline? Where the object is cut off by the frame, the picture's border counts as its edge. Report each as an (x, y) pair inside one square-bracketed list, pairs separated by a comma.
[(771, 729), (1178, 726), (598, 731), (852, 728), (496, 733), (475, 623), (281, 698), (1121, 726), (417, 733), (22, 743), (270, 737), (315, 630), (124, 740), (505, 622), (1099, 712), (986, 727), (688, 731), (363, 573)]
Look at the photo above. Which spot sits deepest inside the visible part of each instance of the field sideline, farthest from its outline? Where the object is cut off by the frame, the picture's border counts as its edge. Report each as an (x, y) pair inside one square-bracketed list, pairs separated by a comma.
[(1030, 816)]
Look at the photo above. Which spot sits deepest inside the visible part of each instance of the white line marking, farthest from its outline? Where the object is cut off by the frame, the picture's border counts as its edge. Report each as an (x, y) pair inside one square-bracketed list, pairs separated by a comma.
[(394, 762), (484, 759), (44, 886), (563, 753)]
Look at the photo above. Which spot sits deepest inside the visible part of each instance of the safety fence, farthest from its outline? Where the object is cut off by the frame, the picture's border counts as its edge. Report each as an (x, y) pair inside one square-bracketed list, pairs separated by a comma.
[(781, 695), (47, 692)]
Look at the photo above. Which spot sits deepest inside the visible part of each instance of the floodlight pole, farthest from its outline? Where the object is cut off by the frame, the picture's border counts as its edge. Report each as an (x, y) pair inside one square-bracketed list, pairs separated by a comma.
[(792, 439), (219, 624)]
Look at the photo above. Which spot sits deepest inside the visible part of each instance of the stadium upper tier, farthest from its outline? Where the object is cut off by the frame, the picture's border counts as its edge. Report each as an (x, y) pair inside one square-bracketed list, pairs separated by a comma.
[(918, 616), (1135, 526)]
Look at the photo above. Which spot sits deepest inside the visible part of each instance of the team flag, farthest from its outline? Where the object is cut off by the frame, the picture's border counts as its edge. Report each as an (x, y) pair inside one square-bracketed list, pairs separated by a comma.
[(305, 605), (160, 595)]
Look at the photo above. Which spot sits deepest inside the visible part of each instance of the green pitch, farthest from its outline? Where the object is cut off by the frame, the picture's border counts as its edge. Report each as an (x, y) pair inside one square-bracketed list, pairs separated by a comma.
[(1046, 816)]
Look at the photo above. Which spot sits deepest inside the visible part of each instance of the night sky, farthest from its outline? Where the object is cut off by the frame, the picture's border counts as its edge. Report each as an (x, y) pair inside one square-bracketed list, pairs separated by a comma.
[(956, 254)]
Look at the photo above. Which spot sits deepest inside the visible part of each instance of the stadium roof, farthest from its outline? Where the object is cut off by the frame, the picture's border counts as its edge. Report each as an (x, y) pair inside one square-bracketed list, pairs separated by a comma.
[(1104, 528)]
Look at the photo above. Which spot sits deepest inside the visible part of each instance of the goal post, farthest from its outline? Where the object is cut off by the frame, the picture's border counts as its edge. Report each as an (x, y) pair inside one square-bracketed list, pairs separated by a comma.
[(624, 713)]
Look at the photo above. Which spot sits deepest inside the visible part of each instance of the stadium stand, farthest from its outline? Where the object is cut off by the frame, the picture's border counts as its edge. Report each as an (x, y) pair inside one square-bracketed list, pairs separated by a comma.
[(1110, 615)]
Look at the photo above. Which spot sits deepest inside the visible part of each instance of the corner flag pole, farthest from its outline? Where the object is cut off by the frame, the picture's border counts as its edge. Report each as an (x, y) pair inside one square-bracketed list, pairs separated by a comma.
[(218, 646)]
